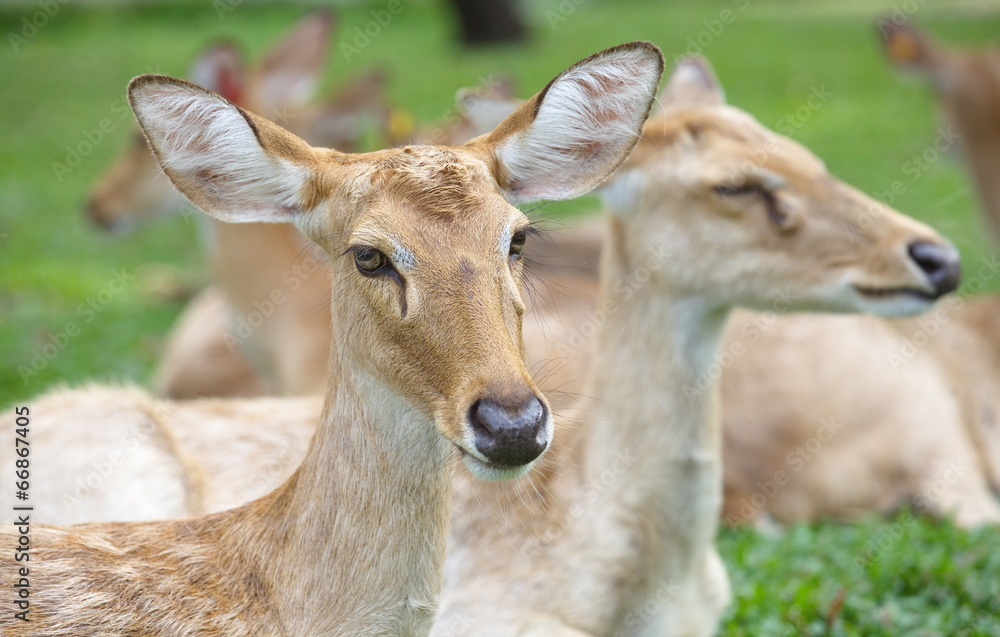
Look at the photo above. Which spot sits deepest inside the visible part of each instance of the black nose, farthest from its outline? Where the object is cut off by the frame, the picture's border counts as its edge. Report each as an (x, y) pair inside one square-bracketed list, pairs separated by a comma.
[(509, 436), (940, 264)]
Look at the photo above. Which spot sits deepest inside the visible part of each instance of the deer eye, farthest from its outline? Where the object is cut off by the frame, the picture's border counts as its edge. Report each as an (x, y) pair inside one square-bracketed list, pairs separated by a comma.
[(369, 260), (517, 243), (737, 190)]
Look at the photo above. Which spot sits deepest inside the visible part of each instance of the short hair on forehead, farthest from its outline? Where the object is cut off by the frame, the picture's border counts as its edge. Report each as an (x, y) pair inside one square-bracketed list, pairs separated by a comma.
[(436, 181)]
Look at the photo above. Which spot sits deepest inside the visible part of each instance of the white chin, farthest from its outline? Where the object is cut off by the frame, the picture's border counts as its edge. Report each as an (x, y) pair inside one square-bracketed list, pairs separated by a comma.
[(897, 305), (492, 473)]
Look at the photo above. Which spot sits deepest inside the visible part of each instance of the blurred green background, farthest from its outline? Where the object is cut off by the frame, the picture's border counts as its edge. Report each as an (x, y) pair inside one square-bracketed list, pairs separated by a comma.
[(72, 74)]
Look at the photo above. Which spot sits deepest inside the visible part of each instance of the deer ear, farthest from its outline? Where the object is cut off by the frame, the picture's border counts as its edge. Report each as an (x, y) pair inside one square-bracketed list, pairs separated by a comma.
[(233, 165), (220, 68), (572, 135), (692, 85), (290, 72), (906, 46)]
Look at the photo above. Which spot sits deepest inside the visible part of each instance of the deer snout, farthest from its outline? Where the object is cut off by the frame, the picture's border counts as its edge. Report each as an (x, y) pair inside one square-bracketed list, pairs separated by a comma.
[(100, 216), (939, 262), (510, 435)]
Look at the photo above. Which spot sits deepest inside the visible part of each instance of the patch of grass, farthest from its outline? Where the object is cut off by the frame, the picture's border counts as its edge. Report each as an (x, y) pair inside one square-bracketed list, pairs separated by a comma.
[(57, 273), (876, 578)]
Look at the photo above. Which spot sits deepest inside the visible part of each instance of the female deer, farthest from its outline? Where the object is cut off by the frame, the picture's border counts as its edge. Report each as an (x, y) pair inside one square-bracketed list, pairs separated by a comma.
[(427, 359), (613, 534)]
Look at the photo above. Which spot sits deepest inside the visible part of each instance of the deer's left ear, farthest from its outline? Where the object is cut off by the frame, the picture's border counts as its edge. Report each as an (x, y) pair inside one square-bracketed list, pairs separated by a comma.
[(571, 136)]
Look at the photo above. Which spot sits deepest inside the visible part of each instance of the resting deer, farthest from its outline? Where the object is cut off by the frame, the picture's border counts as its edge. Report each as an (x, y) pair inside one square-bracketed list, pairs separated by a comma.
[(224, 344), (614, 533), (967, 85), (428, 359)]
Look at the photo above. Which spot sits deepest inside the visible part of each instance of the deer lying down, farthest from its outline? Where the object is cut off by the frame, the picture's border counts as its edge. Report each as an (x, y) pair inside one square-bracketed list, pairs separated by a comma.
[(426, 263), (614, 533), (251, 263)]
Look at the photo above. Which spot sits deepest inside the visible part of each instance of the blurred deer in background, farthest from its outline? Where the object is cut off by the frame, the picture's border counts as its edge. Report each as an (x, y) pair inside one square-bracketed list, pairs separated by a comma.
[(268, 279), (967, 86), (428, 364)]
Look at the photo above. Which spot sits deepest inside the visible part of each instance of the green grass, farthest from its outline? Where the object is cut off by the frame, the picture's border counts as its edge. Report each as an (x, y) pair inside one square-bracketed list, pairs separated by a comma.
[(933, 580)]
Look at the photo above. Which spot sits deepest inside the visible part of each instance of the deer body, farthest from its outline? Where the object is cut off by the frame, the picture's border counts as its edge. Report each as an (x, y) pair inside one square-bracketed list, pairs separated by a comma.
[(429, 363)]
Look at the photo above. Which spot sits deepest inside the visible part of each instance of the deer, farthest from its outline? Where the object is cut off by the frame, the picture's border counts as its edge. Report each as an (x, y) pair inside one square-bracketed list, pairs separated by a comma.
[(966, 84), (213, 350), (613, 532), (427, 365)]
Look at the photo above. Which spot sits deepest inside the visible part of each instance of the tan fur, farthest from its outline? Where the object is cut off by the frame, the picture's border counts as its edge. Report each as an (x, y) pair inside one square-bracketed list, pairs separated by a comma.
[(353, 543)]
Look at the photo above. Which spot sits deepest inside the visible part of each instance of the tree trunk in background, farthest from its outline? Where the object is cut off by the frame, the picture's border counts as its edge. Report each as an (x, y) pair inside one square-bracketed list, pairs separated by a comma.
[(489, 21)]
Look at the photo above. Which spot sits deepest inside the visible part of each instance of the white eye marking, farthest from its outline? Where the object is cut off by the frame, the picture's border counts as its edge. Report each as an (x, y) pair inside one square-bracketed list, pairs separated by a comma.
[(505, 242), (402, 258)]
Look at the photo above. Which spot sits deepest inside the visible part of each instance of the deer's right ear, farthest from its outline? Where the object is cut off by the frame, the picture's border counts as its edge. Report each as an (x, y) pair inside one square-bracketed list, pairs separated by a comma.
[(232, 164), (691, 85), (567, 139), (906, 46)]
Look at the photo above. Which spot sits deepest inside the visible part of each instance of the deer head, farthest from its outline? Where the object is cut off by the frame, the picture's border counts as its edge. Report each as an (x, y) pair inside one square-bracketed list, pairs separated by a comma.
[(740, 213), (424, 243)]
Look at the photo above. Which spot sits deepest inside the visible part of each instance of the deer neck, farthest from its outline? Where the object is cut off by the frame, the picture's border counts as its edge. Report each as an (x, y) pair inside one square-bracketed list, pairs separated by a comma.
[(354, 542), (655, 451)]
